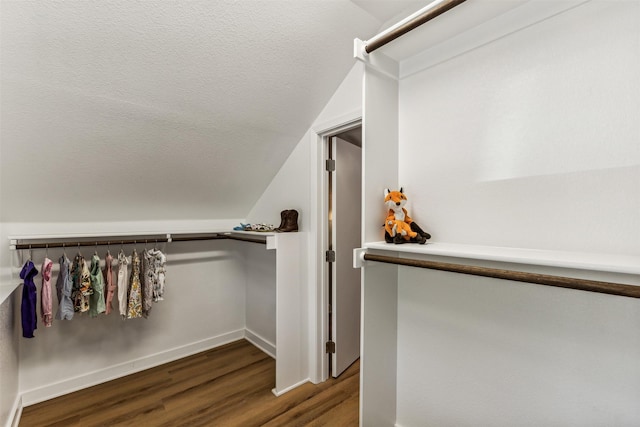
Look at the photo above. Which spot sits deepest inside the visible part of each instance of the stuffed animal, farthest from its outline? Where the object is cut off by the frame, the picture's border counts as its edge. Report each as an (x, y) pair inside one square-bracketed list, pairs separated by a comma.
[(399, 227)]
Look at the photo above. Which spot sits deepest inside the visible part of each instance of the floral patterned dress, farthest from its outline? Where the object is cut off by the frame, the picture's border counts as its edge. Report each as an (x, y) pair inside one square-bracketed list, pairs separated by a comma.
[(81, 284), (134, 309), (157, 262)]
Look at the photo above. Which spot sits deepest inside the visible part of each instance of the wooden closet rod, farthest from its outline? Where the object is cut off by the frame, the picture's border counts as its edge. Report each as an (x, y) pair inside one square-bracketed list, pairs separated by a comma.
[(518, 276), (425, 14), (145, 239), (49, 245)]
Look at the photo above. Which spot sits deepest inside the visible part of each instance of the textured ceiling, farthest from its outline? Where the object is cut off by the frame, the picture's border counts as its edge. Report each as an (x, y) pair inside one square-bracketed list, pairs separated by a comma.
[(132, 110)]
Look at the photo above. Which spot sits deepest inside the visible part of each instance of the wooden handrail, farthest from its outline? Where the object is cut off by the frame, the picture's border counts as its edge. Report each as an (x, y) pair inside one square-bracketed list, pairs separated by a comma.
[(620, 289)]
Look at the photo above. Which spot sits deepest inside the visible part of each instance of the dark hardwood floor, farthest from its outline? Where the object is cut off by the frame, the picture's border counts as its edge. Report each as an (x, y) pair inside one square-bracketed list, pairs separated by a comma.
[(227, 386)]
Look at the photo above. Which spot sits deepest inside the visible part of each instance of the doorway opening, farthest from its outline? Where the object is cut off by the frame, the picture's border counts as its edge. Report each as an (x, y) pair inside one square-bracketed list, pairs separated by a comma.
[(343, 213)]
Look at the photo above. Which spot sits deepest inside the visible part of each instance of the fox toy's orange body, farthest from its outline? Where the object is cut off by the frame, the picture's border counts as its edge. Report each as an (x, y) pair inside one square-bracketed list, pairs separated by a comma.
[(398, 226), (398, 220)]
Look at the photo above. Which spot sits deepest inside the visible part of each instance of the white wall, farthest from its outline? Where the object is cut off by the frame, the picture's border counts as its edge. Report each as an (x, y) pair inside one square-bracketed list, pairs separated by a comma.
[(293, 187), (477, 351), (529, 141), (289, 189)]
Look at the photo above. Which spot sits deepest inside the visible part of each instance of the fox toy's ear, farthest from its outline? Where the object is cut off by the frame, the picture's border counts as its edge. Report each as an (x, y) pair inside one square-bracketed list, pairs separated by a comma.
[(386, 192), (401, 190)]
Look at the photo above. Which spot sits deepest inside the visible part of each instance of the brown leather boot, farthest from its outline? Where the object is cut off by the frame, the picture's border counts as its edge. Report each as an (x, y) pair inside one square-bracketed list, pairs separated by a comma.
[(290, 221), (282, 220)]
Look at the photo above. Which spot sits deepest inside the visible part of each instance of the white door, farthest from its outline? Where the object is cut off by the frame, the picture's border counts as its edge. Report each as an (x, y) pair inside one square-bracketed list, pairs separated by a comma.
[(345, 301)]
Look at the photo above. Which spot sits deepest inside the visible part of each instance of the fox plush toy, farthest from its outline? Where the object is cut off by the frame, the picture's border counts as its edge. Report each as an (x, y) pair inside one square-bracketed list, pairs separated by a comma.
[(399, 227)]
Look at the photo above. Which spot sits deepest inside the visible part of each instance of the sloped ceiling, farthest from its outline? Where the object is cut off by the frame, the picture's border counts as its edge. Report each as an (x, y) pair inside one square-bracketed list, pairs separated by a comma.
[(132, 110)]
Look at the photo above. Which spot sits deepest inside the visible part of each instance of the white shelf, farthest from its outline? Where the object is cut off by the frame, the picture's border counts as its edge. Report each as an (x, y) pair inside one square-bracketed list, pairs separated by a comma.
[(253, 233), (613, 263)]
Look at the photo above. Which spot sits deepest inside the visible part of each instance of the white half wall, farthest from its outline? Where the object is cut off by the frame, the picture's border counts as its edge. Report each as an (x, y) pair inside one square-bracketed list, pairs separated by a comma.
[(260, 299), (9, 378)]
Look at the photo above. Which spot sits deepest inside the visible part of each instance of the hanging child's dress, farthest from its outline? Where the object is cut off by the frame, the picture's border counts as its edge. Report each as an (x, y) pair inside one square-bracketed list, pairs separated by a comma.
[(29, 295), (81, 284), (123, 287), (96, 300), (134, 309), (64, 288), (147, 283), (155, 273), (46, 304), (110, 287)]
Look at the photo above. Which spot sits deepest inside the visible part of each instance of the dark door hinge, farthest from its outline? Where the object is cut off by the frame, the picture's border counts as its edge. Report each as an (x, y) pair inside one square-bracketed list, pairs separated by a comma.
[(330, 165), (330, 256), (330, 347)]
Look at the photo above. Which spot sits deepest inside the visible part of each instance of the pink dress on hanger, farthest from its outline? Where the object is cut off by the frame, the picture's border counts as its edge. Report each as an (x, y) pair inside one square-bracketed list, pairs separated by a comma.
[(110, 286), (46, 304)]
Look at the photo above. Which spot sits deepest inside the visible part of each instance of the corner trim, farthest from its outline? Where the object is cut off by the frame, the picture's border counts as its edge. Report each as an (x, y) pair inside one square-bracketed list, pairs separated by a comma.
[(260, 342), (16, 413)]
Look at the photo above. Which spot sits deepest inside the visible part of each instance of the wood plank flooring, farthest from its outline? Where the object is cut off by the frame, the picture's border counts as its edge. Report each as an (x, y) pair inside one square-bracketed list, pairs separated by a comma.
[(227, 386)]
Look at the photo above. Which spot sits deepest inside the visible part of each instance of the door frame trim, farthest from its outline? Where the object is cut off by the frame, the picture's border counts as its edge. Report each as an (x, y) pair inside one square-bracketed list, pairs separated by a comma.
[(320, 139)]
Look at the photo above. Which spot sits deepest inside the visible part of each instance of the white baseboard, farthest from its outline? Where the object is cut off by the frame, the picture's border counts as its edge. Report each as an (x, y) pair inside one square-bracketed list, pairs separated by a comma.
[(51, 391), (281, 392), (260, 342)]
